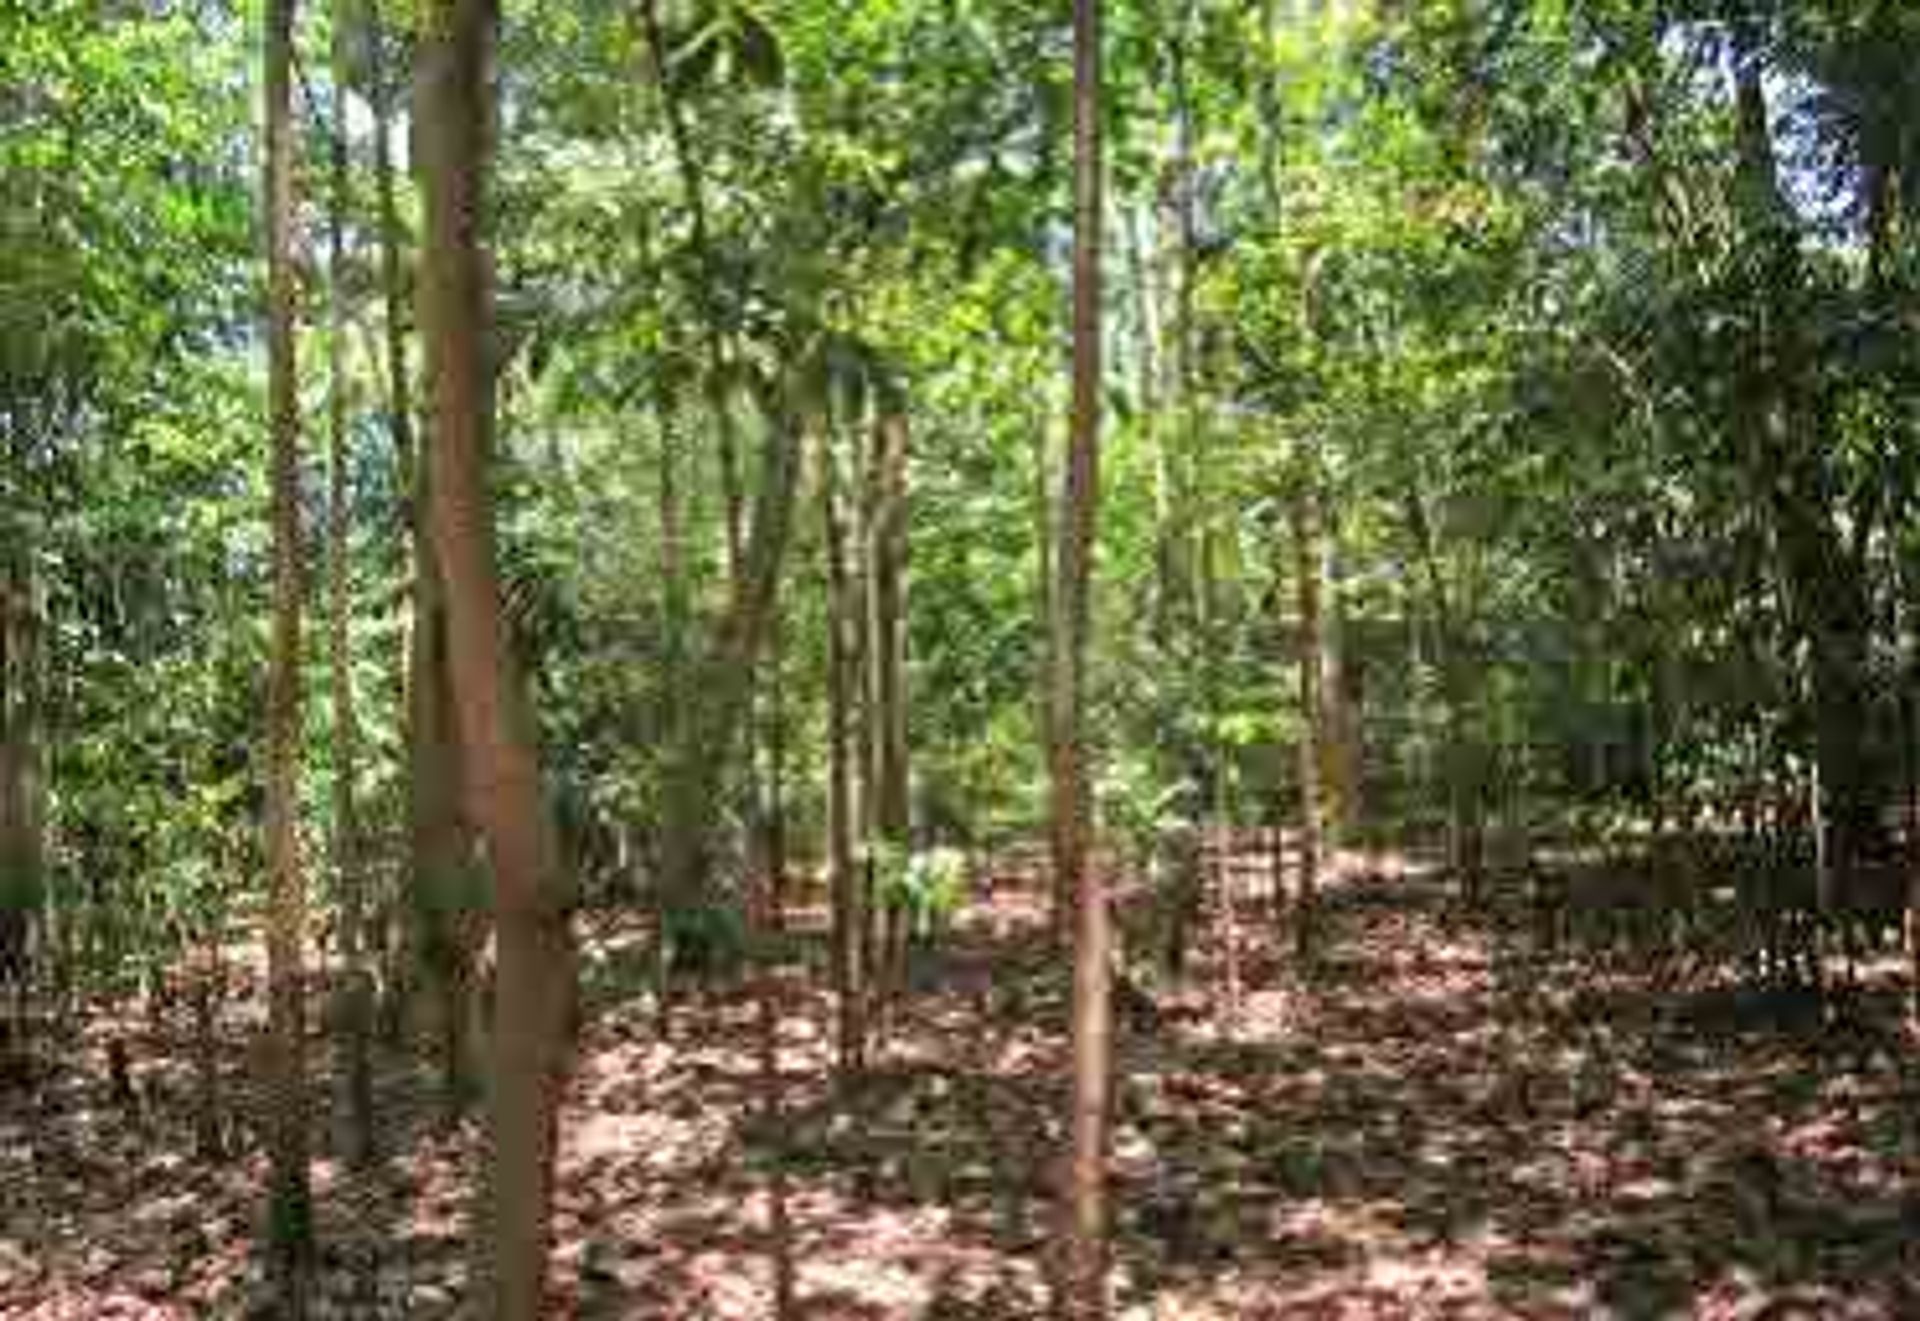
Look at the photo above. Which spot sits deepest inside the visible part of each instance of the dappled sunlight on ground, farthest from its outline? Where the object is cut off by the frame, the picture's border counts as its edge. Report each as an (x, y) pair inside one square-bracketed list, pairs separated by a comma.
[(1429, 1124)]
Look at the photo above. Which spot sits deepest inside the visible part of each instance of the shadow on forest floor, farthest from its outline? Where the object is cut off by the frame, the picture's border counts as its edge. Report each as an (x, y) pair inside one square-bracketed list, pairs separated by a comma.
[(1433, 1124)]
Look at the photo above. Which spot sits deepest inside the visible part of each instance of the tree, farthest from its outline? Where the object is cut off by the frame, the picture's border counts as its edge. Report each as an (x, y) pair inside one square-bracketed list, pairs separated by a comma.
[(1083, 1280), (346, 816), (445, 922), (1306, 539), (885, 525), (290, 1214), (842, 883), (500, 774)]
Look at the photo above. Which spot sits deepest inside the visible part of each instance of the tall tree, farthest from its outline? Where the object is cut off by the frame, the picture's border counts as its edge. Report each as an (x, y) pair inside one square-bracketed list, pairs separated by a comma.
[(1307, 587), (346, 738), (500, 773), (842, 886), (290, 1212), (1082, 1292), (444, 927), (886, 530)]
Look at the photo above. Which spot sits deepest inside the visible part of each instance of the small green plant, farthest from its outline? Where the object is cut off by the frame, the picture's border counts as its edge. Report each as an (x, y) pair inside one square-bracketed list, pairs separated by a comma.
[(927, 886)]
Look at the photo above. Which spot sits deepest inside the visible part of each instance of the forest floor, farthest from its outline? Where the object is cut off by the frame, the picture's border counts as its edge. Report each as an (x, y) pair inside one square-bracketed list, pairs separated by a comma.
[(1436, 1123)]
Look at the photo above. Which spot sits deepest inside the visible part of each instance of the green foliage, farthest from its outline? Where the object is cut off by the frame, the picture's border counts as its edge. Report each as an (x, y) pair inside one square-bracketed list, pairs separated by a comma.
[(1499, 285), (706, 940), (925, 886)]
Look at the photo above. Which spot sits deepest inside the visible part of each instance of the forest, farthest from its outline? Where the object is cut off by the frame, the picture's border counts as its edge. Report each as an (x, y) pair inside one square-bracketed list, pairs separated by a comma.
[(882, 659)]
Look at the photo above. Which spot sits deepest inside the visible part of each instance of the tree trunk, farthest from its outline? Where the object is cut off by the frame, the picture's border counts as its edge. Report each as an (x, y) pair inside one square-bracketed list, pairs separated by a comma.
[(863, 729), (689, 811), (290, 1213), (842, 884), (1043, 717), (500, 774), (22, 848), (1307, 563), (1464, 761), (773, 999), (445, 922), (884, 534), (1790, 426), (1145, 261), (346, 823), (1340, 755), (208, 990), (774, 727), (887, 644), (676, 622), (446, 915), (1083, 1282), (392, 276), (437, 874), (711, 725)]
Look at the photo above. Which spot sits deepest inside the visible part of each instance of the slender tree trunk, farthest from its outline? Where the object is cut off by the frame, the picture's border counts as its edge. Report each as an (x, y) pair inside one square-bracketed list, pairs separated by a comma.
[(842, 883), (688, 818), (863, 726), (1179, 548), (673, 584), (1464, 759), (500, 771), (887, 646), (1307, 587), (773, 999), (290, 1214), (438, 852), (29, 731), (208, 990), (448, 923), (859, 515), (1083, 1282), (394, 291), (711, 726), (21, 846), (676, 615), (883, 544), (1145, 262), (1043, 714), (775, 727), (346, 823), (1340, 743), (445, 926)]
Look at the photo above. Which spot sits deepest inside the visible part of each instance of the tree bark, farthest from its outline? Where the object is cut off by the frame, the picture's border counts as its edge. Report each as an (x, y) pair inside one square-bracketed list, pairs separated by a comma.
[(1340, 750), (1307, 589), (711, 725), (290, 1212), (1082, 1292), (887, 641), (443, 925), (1464, 759), (22, 791), (842, 886), (439, 854), (356, 1068), (1178, 553), (688, 819), (1043, 718), (500, 773), (883, 541)]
